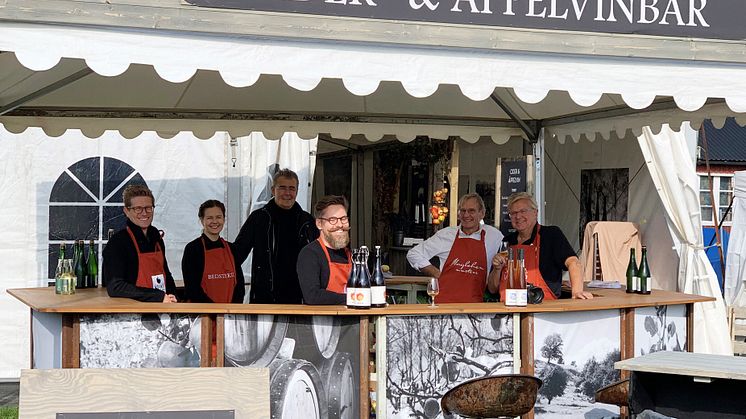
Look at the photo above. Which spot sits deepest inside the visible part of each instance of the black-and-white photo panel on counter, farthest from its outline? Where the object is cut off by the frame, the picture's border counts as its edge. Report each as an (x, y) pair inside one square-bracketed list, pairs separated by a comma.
[(428, 355), (314, 361), (660, 328), (574, 355), (139, 340)]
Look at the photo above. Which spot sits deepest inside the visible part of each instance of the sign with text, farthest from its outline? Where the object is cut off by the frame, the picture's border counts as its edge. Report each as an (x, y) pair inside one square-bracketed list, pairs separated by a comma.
[(512, 179), (721, 19)]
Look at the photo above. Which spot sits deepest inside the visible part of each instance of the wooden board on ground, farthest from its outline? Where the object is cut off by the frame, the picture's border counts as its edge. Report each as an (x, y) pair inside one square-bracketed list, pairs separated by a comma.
[(44, 393), (688, 363)]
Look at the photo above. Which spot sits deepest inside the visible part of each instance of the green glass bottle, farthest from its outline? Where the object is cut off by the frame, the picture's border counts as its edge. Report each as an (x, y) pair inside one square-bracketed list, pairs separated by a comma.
[(644, 273), (92, 266), (632, 272), (79, 265)]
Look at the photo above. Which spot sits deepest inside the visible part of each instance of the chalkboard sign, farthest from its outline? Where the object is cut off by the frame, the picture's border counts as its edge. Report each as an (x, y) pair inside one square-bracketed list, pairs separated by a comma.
[(513, 174)]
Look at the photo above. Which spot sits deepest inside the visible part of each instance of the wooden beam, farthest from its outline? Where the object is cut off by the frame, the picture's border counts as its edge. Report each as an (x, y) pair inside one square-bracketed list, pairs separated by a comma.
[(690, 327), (364, 392), (220, 340), (70, 341), (527, 350)]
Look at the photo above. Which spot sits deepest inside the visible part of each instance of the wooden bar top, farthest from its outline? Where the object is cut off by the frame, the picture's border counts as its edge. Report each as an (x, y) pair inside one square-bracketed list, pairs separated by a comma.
[(97, 301)]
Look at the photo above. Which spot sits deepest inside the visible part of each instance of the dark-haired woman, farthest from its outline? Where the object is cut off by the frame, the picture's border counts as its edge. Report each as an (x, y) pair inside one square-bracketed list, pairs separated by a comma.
[(211, 274)]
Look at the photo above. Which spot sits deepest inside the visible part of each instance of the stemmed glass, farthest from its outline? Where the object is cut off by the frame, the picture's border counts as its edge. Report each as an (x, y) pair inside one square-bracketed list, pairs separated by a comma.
[(432, 290), (503, 249)]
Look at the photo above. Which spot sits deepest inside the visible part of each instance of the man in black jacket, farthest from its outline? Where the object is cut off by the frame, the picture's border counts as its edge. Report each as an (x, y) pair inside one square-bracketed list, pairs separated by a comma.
[(276, 233)]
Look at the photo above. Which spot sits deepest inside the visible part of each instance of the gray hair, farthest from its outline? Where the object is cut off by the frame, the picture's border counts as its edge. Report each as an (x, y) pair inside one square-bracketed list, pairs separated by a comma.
[(512, 199), (287, 174), (479, 199)]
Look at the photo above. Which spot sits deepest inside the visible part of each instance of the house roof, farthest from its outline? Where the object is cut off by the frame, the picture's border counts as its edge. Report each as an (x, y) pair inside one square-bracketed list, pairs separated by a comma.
[(724, 145)]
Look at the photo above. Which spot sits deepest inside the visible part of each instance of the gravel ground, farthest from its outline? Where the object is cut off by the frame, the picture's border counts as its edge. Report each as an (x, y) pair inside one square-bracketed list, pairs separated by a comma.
[(8, 394)]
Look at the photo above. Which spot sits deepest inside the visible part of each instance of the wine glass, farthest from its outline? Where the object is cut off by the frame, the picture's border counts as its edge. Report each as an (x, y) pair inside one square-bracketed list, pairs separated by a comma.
[(432, 290)]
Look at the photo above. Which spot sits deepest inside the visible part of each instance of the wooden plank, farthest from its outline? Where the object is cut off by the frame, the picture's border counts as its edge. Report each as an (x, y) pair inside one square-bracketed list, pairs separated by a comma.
[(220, 340), (690, 327), (364, 374), (173, 15), (739, 329), (43, 393), (527, 350), (689, 364), (739, 347), (70, 341), (627, 347), (96, 301), (453, 179), (205, 341)]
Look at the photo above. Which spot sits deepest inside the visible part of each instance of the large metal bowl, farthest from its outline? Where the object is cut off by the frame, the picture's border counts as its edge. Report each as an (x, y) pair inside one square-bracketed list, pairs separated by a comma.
[(616, 393), (507, 395)]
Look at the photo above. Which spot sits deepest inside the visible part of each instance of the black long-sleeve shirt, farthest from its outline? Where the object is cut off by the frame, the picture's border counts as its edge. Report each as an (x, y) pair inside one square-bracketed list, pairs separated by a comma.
[(193, 266), (313, 274), (120, 264)]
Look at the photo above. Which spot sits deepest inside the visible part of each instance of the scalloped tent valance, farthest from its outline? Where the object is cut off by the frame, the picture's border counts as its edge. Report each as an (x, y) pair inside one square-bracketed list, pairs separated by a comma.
[(169, 82)]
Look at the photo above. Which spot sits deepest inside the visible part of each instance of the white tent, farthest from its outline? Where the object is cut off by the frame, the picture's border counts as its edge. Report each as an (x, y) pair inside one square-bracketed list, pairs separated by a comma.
[(735, 268), (60, 77)]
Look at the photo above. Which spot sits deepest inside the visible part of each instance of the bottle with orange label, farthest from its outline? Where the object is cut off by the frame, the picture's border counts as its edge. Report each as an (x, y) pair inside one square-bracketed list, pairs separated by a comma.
[(351, 288)]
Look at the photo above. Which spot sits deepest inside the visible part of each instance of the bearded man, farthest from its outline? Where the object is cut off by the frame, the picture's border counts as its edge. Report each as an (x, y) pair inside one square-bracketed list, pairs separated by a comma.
[(324, 264)]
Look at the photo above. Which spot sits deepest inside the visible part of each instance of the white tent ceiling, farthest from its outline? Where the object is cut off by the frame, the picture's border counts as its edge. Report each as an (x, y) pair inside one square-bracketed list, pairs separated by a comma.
[(95, 79)]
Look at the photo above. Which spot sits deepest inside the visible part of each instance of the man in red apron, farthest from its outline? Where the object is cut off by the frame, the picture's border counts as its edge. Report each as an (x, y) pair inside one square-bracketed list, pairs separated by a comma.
[(547, 253), (465, 254), (324, 264), (134, 261)]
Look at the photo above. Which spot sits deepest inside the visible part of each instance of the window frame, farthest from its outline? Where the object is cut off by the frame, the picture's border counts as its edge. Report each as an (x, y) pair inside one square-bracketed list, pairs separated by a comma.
[(715, 204)]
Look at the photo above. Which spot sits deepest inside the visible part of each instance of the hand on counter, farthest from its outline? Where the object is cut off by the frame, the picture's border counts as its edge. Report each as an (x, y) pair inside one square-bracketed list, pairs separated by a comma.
[(169, 298), (582, 295)]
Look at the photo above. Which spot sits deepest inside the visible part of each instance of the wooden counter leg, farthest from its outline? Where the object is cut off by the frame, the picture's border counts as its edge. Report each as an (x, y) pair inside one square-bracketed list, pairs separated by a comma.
[(527, 350), (70, 341), (690, 327), (627, 346), (364, 374), (220, 340), (205, 346), (31, 336)]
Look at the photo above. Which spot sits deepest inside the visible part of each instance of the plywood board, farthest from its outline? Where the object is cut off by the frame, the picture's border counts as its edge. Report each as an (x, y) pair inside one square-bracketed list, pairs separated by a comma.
[(44, 393)]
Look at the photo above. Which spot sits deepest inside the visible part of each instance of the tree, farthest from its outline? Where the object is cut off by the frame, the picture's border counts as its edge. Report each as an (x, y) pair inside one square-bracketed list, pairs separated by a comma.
[(555, 382), (552, 348), (596, 375)]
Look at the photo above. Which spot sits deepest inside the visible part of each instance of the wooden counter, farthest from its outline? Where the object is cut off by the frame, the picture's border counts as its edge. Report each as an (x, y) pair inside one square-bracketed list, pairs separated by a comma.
[(97, 301), (442, 346)]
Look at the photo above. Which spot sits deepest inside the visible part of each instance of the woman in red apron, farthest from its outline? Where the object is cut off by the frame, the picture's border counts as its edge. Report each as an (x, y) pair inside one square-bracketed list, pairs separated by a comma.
[(529, 236), (208, 265)]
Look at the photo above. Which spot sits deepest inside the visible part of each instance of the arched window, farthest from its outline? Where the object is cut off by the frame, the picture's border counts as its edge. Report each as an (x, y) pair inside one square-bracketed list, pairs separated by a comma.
[(86, 201)]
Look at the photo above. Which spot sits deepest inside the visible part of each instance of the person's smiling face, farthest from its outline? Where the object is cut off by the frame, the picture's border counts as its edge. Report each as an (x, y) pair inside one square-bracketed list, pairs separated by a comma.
[(522, 216), (140, 211), (285, 191), (470, 215), (213, 221)]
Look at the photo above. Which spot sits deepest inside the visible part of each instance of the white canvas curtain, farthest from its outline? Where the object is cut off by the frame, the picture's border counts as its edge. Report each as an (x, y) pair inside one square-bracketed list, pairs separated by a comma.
[(735, 267), (676, 180)]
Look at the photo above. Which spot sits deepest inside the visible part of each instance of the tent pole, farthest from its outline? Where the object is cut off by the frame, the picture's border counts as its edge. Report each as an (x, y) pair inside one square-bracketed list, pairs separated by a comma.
[(714, 207), (531, 134), (45, 90)]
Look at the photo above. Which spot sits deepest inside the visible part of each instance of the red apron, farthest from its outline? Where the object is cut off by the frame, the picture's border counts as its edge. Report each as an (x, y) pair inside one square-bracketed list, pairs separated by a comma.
[(531, 260), (150, 270), (338, 272), (219, 275), (464, 274)]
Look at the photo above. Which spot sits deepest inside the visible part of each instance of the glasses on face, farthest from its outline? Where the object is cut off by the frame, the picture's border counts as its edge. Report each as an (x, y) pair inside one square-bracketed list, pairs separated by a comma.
[(521, 212), (139, 210), (283, 188), (334, 220)]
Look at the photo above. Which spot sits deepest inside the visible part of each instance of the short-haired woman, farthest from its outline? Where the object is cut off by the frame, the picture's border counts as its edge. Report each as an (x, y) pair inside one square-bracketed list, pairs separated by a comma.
[(211, 274)]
